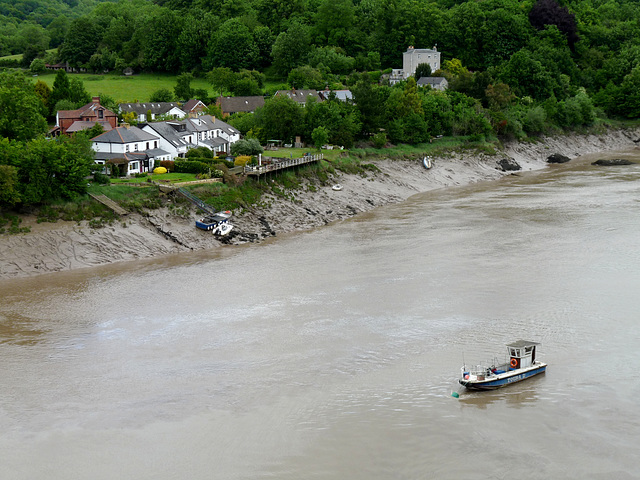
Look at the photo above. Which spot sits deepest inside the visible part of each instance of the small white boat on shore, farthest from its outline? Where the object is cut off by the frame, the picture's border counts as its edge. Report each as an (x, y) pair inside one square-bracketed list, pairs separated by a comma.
[(337, 187), (426, 163), (521, 364), (217, 223)]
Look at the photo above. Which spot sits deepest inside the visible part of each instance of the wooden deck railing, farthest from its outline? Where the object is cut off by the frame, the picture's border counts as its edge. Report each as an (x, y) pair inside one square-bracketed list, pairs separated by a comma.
[(284, 163)]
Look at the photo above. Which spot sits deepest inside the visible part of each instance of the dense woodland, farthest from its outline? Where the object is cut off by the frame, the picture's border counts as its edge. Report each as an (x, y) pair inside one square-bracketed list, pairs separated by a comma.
[(515, 68)]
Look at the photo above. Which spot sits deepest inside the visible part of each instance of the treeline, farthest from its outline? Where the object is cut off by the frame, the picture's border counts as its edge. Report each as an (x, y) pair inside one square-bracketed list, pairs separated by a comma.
[(408, 114), (540, 49), (31, 27)]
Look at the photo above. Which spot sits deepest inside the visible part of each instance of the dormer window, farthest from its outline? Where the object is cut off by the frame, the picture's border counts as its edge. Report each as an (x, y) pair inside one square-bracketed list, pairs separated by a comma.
[(100, 114)]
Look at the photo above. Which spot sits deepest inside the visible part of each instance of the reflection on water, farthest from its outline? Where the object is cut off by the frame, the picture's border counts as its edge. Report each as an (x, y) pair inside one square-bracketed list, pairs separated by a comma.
[(333, 353), (20, 330), (519, 395)]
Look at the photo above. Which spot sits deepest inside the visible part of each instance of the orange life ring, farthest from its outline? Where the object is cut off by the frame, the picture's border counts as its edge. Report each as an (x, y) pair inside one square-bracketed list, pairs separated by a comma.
[(514, 363)]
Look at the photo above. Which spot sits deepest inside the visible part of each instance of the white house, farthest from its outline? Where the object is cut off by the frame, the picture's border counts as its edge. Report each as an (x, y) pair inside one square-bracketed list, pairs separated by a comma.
[(410, 61), (156, 109), (140, 148), (212, 133), (135, 149), (206, 131)]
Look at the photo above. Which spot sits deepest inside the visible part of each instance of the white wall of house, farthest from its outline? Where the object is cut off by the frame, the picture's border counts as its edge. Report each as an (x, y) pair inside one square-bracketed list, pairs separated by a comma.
[(175, 151), (107, 147), (415, 56)]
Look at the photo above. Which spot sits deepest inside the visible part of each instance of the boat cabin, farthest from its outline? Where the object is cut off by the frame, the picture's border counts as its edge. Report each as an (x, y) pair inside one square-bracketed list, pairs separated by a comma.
[(522, 354)]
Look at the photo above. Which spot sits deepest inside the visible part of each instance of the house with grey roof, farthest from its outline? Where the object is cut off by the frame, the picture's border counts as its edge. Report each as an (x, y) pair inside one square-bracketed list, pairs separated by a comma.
[(136, 150), (178, 136), (231, 105), (410, 61), (437, 83), (212, 133), (173, 137), (300, 96), (156, 109)]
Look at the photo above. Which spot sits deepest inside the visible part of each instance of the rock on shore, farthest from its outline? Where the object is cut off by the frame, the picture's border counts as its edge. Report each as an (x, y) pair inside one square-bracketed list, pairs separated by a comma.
[(67, 246)]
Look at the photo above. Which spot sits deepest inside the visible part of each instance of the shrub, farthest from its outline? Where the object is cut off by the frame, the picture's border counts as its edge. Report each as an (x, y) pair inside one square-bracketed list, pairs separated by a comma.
[(101, 178), (190, 166), (379, 140), (168, 164), (242, 160)]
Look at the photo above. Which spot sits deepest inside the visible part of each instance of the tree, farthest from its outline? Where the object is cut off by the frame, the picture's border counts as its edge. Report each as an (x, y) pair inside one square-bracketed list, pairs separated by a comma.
[(162, 95), (222, 79), (629, 96), (320, 136), (280, 118), (334, 22), (422, 70), (158, 40), (21, 110), (247, 83), (548, 12), (306, 77), (183, 86), (54, 169), (369, 100), (77, 93), (43, 91), (61, 89), (527, 76), (499, 96), (81, 42), (9, 194), (291, 48), (232, 46), (36, 41), (247, 146)]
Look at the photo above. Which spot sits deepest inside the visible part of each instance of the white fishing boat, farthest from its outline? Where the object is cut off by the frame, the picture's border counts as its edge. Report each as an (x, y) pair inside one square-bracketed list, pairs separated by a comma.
[(426, 162), (521, 364), (216, 223)]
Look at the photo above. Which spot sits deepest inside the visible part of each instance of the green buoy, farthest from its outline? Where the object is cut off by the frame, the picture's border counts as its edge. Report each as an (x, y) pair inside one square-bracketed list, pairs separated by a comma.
[(455, 394)]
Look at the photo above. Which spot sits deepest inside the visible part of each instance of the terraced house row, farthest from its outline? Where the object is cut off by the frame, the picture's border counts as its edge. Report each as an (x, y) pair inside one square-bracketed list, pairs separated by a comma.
[(139, 148)]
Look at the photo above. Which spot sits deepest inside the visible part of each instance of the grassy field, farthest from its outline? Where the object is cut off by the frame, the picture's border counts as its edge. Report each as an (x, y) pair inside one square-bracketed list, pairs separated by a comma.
[(136, 88)]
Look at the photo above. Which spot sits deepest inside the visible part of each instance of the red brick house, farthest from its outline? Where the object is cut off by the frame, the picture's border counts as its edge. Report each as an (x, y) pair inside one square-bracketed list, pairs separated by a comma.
[(70, 121)]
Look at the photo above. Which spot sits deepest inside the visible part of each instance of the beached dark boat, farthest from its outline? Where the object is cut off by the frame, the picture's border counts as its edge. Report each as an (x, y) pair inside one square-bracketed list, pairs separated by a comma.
[(216, 223), (521, 364)]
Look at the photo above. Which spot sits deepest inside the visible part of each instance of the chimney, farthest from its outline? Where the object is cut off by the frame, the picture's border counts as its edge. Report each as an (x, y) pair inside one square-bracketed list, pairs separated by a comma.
[(95, 99), (126, 125)]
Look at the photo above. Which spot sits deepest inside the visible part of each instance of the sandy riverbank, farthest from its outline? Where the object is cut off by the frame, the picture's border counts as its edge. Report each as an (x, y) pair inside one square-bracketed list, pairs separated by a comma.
[(67, 245)]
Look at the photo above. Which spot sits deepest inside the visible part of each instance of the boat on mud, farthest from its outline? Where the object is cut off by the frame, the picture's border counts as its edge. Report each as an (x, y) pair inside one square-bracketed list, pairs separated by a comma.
[(217, 223), (521, 364)]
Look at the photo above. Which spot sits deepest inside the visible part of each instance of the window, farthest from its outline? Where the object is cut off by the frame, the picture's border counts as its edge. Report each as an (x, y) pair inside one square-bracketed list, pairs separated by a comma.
[(100, 114), (147, 146), (126, 148), (155, 144), (136, 147)]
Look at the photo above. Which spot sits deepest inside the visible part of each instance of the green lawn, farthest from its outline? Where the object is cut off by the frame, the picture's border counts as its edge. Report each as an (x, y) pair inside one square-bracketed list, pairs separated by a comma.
[(136, 88), (299, 152)]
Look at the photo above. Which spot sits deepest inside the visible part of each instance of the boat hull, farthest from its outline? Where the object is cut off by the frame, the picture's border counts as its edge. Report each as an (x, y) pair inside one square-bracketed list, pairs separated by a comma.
[(504, 379)]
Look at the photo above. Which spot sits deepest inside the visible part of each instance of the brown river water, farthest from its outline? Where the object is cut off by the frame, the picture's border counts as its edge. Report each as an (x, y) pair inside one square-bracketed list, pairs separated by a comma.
[(333, 354)]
